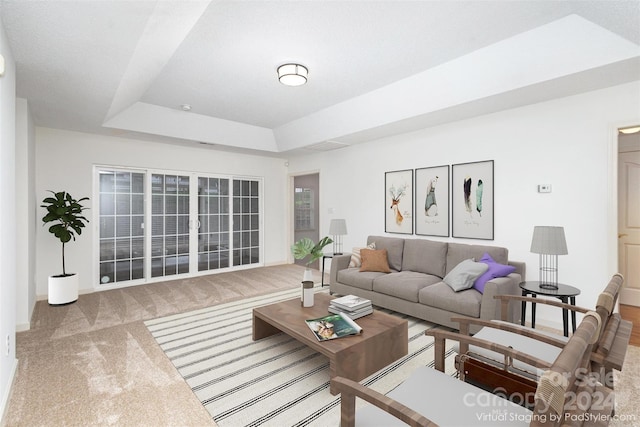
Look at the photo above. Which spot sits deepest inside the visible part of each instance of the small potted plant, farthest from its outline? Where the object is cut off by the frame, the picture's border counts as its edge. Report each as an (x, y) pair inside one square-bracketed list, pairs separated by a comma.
[(65, 213), (305, 247)]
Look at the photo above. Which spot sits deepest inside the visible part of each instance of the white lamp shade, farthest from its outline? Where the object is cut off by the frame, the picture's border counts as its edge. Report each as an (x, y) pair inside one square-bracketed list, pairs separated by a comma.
[(549, 241), (338, 227), (292, 74)]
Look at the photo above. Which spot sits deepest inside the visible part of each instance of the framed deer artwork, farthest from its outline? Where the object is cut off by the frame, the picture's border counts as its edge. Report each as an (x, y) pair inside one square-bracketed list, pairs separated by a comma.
[(472, 202), (398, 201), (432, 201)]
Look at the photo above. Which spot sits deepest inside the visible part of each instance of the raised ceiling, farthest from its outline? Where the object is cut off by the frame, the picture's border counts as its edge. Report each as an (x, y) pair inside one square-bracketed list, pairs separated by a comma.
[(376, 68)]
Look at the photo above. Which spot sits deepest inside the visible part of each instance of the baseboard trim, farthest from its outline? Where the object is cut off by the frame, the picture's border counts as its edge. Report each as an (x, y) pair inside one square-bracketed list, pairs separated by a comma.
[(7, 394), (630, 297), (21, 327)]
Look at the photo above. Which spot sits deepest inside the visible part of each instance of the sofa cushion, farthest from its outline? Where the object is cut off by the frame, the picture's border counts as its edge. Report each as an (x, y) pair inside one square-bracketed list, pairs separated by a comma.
[(353, 277), (458, 252), (424, 256), (441, 296), (394, 247), (464, 275), (495, 270), (356, 259), (374, 260), (403, 284)]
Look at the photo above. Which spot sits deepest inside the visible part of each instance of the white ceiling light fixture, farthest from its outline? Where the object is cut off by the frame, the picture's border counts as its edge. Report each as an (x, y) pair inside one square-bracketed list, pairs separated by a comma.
[(293, 74), (630, 130), (185, 107)]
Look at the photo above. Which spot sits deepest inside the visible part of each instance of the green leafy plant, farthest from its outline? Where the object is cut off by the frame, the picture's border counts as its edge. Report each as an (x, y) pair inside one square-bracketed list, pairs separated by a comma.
[(66, 214), (306, 248)]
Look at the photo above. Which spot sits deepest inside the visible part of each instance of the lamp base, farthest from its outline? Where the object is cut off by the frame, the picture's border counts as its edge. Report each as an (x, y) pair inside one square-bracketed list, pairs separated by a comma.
[(552, 286), (337, 245)]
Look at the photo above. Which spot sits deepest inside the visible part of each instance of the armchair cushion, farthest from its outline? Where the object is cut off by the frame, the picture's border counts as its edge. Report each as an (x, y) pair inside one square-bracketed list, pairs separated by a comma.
[(445, 401), (533, 346)]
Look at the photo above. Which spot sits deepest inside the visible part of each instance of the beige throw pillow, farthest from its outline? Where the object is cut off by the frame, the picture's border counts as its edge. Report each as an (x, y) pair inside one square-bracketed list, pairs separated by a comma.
[(374, 260), (356, 260)]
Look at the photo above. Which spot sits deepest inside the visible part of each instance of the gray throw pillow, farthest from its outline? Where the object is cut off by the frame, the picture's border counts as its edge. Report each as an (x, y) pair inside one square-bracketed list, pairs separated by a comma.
[(465, 274)]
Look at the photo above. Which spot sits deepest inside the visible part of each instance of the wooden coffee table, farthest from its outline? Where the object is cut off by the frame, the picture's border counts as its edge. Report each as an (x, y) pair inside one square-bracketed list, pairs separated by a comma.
[(384, 338)]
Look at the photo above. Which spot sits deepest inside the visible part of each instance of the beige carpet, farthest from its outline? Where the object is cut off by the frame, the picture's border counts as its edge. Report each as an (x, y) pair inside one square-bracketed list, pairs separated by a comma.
[(94, 363)]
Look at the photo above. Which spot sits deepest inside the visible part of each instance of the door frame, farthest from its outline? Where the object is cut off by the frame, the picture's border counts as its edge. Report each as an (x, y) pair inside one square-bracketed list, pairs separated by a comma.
[(612, 197), (290, 209)]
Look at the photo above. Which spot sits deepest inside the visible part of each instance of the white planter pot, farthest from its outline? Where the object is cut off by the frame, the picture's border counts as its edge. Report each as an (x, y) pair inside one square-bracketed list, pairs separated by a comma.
[(307, 294), (308, 275), (63, 289)]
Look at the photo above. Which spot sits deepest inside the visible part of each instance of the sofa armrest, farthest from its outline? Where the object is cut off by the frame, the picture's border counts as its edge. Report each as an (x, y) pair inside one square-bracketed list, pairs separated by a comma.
[(490, 308), (349, 390), (521, 268), (338, 262)]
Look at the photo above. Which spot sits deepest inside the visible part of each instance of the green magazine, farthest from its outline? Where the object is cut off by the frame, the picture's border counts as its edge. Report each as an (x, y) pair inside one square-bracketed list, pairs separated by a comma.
[(333, 326)]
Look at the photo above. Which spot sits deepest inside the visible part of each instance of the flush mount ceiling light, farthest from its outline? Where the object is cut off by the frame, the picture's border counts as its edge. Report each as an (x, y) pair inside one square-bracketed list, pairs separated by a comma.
[(631, 130), (292, 74), (185, 107)]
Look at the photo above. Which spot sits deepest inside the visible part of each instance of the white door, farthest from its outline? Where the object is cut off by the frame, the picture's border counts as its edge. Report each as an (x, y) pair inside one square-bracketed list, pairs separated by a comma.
[(629, 225)]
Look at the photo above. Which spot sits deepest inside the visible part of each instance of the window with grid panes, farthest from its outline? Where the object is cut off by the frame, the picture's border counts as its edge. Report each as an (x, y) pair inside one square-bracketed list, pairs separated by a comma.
[(213, 219), (303, 209), (169, 225), (150, 228), (246, 222), (121, 234)]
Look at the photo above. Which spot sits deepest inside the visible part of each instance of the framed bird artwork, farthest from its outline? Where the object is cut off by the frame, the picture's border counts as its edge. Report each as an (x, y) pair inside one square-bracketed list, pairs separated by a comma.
[(472, 200)]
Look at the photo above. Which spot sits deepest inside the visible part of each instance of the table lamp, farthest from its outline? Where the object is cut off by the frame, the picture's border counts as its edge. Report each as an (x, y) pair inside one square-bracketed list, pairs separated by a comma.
[(549, 242), (337, 228)]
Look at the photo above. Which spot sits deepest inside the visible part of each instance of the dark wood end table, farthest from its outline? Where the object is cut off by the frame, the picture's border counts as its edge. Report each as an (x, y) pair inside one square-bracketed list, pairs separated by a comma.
[(565, 293)]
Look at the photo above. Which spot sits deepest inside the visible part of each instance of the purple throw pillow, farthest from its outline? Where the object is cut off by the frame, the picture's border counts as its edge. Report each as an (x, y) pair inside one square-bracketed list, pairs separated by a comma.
[(495, 270)]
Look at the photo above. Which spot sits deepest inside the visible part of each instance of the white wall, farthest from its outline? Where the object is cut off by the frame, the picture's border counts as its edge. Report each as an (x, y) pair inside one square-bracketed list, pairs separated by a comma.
[(565, 143), (7, 222), (65, 160), (25, 215)]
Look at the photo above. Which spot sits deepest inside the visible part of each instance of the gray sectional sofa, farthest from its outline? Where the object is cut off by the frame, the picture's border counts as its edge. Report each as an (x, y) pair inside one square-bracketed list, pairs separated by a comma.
[(415, 284)]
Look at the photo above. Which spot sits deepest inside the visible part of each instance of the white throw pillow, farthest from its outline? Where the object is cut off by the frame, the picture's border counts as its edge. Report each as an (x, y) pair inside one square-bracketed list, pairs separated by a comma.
[(356, 259), (465, 274)]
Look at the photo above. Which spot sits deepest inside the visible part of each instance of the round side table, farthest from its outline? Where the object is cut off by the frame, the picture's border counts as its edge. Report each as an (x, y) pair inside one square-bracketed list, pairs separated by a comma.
[(565, 293)]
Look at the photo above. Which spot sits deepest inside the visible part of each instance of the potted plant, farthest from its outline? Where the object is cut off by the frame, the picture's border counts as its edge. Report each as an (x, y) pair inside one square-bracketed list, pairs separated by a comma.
[(304, 248), (65, 213)]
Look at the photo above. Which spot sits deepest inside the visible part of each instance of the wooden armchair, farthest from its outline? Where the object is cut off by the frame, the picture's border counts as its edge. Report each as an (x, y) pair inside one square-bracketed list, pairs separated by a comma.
[(429, 397), (484, 368)]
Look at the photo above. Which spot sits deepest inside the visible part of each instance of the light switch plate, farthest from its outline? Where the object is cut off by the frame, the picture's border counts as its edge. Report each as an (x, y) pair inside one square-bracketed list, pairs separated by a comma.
[(1, 65)]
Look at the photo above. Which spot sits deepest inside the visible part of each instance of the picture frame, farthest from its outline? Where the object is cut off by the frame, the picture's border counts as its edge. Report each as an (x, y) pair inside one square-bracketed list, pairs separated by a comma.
[(398, 201), (473, 200), (431, 214)]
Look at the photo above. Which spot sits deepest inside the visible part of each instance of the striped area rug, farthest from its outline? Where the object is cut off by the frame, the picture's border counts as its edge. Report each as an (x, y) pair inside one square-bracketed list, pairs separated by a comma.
[(276, 381)]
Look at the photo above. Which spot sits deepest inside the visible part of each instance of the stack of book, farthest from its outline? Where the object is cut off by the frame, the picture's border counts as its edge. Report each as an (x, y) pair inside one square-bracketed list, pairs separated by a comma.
[(351, 305)]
